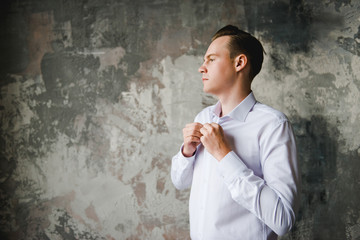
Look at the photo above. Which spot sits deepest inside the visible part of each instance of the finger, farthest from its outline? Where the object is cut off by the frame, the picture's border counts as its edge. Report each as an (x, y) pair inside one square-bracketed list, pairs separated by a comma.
[(217, 127), (207, 126), (194, 125), (206, 129), (191, 132), (191, 139), (203, 131), (198, 125)]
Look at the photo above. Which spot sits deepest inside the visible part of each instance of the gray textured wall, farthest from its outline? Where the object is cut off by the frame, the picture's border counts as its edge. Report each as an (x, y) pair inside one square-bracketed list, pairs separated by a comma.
[(94, 95)]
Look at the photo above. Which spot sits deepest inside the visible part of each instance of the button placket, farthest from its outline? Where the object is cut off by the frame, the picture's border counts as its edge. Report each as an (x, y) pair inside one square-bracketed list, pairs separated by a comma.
[(204, 195)]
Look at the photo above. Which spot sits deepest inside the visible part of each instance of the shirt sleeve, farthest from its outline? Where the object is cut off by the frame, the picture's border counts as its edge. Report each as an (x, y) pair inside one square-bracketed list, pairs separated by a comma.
[(273, 198), (182, 170), (182, 167)]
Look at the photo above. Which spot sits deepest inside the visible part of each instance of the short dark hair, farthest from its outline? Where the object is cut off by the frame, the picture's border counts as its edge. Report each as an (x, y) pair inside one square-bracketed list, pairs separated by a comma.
[(242, 42)]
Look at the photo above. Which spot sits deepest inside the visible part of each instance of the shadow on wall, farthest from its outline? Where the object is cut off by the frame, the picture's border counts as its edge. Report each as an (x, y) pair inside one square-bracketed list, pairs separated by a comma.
[(328, 205)]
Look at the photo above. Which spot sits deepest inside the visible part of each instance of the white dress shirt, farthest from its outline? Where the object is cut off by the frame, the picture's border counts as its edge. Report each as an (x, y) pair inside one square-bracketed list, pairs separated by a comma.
[(252, 193)]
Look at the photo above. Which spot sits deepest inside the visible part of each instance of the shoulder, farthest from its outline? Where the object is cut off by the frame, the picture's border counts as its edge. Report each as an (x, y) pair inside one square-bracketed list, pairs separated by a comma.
[(268, 114)]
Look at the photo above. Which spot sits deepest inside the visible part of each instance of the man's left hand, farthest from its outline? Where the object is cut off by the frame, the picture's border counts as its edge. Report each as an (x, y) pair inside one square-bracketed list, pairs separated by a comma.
[(213, 139)]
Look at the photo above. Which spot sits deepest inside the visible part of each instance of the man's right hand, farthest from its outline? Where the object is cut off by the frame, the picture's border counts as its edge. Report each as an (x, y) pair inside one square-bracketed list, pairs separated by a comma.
[(191, 134)]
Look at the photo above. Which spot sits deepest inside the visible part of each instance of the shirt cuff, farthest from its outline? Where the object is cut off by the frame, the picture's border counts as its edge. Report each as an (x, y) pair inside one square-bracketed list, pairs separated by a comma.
[(231, 167), (191, 159)]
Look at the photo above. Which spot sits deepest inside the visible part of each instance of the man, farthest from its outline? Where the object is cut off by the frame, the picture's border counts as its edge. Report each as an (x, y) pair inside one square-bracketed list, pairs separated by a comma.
[(239, 156)]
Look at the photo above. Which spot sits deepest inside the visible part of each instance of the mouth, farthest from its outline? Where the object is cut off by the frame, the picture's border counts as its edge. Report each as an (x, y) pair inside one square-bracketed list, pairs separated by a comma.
[(205, 79)]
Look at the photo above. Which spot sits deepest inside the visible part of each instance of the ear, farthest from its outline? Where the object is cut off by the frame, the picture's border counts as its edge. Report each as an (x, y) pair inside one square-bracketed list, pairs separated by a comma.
[(240, 62)]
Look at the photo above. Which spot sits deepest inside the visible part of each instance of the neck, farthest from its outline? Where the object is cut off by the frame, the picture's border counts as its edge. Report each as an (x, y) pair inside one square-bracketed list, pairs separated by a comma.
[(233, 98)]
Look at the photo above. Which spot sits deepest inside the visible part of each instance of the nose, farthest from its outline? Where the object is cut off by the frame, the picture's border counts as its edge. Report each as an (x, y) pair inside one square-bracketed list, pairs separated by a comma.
[(202, 69)]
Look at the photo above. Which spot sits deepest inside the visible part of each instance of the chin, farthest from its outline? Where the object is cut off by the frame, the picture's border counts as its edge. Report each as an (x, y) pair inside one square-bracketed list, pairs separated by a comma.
[(206, 90)]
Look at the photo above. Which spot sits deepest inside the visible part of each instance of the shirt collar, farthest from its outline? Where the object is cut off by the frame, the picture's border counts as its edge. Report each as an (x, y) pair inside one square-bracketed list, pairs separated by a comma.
[(240, 111)]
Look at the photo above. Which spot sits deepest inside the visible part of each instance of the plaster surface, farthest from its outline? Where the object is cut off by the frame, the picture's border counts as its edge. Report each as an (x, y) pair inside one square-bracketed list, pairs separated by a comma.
[(94, 95)]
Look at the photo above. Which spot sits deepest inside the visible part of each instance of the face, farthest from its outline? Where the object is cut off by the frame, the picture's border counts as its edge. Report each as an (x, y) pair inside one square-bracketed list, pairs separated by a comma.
[(218, 70)]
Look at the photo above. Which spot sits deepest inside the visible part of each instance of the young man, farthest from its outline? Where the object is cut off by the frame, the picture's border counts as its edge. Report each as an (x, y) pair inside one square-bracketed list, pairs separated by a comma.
[(239, 156)]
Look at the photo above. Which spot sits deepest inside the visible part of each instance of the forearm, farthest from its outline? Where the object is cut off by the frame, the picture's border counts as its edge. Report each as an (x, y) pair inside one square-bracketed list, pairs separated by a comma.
[(275, 207), (264, 202), (275, 211), (182, 170)]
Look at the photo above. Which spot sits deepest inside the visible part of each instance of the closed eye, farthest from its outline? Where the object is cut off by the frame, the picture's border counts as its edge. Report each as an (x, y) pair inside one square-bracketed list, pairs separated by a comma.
[(210, 58)]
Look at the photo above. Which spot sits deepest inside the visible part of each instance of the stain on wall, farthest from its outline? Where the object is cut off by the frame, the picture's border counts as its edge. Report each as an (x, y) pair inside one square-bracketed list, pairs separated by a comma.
[(94, 95)]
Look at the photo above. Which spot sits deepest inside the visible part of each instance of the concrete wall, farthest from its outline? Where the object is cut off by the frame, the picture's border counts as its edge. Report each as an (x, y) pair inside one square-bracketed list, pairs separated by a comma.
[(94, 95)]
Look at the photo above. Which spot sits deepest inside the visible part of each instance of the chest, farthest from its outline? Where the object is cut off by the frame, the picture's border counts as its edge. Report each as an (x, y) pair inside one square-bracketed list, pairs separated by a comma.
[(243, 139)]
